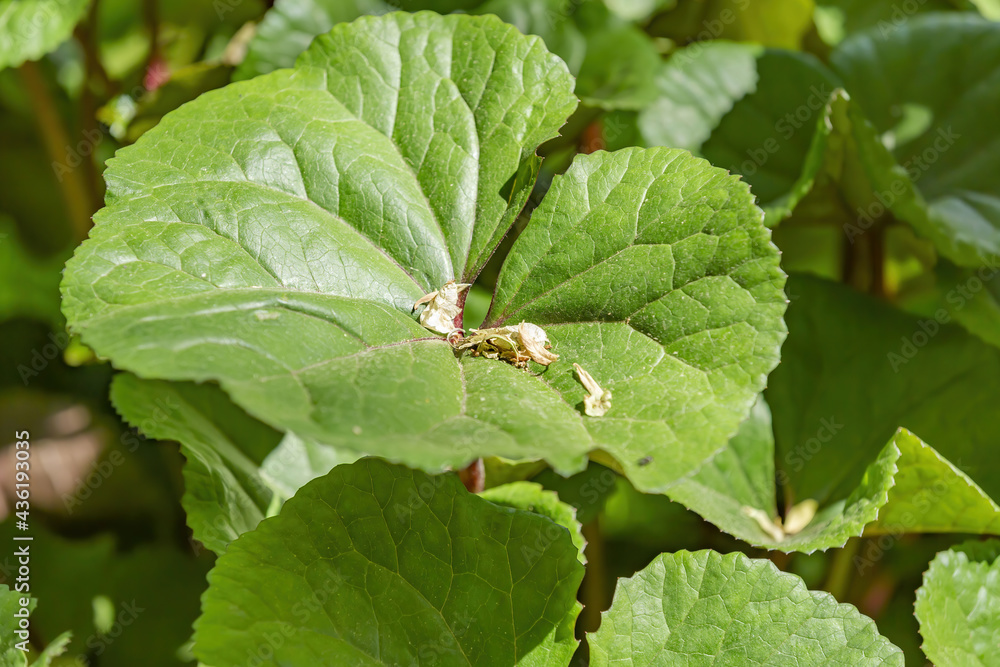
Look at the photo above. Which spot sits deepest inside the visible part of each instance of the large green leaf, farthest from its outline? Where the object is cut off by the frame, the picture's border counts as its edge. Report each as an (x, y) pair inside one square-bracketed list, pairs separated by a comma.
[(375, 564), (31, 28), (929, 87), (870, 368), (709, 608), (959, 606), (285, 268)]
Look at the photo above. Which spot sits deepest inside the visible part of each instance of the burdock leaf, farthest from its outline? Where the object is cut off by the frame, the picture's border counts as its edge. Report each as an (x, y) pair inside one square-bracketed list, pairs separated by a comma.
[(273, 237)]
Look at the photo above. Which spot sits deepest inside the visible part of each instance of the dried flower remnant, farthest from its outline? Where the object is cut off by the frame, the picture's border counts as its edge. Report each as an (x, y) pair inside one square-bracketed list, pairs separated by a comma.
[(597, 402), (800, 515), (797, 518), (770, 526), (516, 345), (536, 343), (442, 307)]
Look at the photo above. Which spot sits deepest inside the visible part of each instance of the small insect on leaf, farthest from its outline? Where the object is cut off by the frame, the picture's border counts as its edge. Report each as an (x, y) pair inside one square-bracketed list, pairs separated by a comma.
[(597, 402), (442, 307)]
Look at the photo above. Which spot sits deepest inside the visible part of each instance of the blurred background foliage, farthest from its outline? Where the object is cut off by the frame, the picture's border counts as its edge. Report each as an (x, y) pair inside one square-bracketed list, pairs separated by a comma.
[(757, 88)]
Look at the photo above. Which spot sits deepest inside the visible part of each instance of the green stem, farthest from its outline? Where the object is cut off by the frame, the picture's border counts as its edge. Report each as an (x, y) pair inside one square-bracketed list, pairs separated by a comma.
[(876, 260), (71, 181), (86, 35), (94, 71), (151, 15), (594, 589), (838, 582)]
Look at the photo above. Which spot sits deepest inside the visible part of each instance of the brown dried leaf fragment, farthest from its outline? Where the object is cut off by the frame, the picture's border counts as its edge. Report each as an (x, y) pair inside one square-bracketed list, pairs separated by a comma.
[(597, 402), (442, 307), (516, 345)]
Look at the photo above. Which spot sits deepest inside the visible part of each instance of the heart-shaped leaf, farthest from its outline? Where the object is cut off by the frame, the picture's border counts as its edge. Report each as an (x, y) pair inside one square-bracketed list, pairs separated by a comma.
[(31, 28), (285, 268), (375, 564), (959, 606), (709, 608)]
